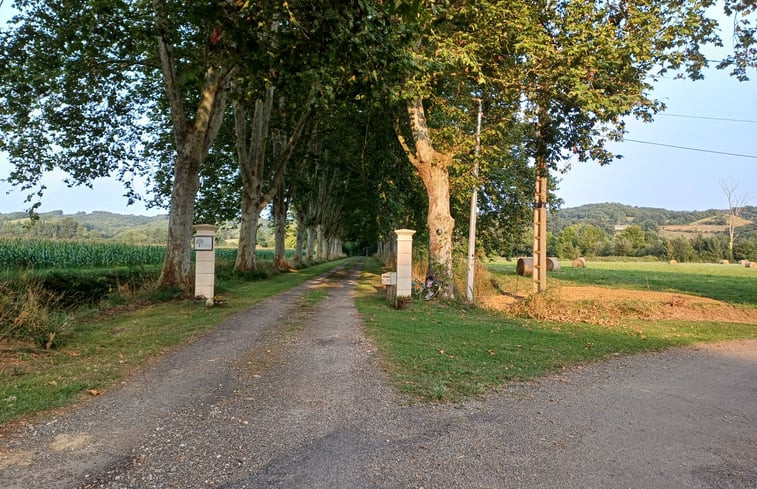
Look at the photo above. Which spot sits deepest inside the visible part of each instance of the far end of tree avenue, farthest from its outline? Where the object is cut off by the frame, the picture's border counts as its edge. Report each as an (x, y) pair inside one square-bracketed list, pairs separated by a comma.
[(357, 118)]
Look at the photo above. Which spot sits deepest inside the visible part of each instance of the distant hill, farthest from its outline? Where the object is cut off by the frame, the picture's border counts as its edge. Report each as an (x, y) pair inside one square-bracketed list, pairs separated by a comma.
[(101, 225), (612, 216), (96, 225)]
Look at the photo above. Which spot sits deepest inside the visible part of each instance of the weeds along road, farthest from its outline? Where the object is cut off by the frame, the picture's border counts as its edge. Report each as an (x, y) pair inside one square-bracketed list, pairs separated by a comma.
[(290, 395)]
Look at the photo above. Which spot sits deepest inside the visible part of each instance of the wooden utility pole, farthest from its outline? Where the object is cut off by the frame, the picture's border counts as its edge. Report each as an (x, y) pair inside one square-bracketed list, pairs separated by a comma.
[(540, 200), (540, 228)]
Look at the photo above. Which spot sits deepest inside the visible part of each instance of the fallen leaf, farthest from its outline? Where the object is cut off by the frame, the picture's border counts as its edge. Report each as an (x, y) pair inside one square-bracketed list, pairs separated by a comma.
[(94, 392)]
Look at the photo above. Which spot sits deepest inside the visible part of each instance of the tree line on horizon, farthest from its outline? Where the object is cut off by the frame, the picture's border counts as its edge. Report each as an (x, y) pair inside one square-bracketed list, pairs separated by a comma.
[(591, 230), (109, 226), (354, 117)]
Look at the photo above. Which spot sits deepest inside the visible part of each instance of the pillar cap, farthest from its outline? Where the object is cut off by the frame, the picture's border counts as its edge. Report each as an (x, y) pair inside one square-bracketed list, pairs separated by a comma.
[(205, 229), (404, 232)]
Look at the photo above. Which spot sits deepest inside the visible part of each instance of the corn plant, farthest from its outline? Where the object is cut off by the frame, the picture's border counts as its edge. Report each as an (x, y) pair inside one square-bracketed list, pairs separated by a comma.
[(41, 254)]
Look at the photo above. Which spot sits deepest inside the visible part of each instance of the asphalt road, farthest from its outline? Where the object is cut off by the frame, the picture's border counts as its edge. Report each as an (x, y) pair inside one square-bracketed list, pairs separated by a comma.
[(286, 396)]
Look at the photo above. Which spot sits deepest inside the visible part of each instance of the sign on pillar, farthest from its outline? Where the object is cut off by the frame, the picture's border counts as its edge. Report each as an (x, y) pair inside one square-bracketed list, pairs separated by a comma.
[(404, 262), (205, 261)]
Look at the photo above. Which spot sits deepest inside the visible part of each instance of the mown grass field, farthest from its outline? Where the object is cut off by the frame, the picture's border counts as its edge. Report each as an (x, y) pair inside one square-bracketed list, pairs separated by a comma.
[(437, 351), (732, 283)]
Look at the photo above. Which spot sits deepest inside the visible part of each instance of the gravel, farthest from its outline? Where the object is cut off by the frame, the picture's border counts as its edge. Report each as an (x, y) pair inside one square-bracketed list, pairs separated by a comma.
[(289, 396)]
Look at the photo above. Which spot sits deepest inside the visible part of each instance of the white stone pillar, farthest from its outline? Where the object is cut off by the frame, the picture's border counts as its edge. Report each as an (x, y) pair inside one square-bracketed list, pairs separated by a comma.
[(404, 262), (205, 261)]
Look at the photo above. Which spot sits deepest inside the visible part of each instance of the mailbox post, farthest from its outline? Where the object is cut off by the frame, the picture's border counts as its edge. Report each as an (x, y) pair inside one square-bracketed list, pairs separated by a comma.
[(205, 261), (390, 280), (404, 262)]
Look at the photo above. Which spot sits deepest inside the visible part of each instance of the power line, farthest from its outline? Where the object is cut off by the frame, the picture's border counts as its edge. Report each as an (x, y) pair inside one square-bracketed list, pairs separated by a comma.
[(691, 149), (708, 118)]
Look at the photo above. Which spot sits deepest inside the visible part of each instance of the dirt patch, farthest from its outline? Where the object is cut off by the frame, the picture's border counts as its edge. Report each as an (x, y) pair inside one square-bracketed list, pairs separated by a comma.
[(15, 355), (601, 305)]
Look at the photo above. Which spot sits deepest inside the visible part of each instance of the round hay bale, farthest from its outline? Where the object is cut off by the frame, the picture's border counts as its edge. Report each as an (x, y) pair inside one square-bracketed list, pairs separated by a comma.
[(525, 266), (579, 263), (748, 264), (673, 262), (752, 265), (723, 262), (744, 263)]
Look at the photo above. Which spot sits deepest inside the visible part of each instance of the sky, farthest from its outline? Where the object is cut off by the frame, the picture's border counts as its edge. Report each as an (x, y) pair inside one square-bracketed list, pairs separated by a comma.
[(650, 175), (709, 117)]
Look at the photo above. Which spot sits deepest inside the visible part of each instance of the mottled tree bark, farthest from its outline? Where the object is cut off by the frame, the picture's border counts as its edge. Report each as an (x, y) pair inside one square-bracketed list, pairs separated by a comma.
[(280, 208), (193, 137), (433, 169)]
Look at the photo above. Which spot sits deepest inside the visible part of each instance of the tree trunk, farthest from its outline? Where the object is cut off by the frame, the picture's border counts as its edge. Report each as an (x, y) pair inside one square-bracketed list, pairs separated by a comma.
[(251, 139), (336, 249), (248, 234), (331, 247), (193, 137), (380, 251), (440, 223), (320, 242), (432, 167), (301, 236), (311, 244), (735, 207), (261, 183), (177, 262), (280, 207)]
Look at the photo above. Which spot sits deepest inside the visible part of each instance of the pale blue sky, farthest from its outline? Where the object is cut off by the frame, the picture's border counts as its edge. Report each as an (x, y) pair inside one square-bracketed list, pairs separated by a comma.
[(648, 175), (679, 179)]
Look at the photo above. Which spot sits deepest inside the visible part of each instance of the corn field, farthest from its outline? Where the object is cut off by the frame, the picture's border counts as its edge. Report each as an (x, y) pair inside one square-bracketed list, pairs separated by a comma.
[(43, 254), (40, 254)]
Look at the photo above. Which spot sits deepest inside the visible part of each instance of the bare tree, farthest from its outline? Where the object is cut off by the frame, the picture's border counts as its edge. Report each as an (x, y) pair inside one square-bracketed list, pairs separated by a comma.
[(736, 205)]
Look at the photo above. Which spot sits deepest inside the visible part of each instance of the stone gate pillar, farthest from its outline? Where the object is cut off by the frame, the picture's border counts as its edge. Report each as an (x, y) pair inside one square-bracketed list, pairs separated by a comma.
[(205, 261), (404, 262)]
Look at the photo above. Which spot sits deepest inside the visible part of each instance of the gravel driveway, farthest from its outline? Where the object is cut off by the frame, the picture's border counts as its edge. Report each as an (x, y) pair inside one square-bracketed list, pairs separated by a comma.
[(290, 396)]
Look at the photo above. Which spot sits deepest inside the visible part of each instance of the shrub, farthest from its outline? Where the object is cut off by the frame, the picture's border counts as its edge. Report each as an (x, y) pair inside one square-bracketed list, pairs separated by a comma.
[(31, 313)]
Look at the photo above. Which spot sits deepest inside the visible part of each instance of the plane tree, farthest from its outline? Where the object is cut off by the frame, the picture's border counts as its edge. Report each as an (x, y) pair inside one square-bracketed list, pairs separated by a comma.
[(131, 87), (575, 68), (95, 88), (584, 66), (311, 59), (438, 89), (71, 101)]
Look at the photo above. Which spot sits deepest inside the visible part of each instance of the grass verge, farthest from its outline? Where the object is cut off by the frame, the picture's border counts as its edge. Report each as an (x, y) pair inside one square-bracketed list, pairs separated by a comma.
[(102, 351), (439, 351)]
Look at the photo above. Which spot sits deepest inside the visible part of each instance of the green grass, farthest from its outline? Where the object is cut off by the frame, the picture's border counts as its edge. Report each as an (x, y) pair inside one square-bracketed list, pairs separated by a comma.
[(447, 351), (434, 351), (102, 351), (731, 283), (313, 297)]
